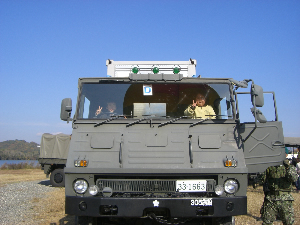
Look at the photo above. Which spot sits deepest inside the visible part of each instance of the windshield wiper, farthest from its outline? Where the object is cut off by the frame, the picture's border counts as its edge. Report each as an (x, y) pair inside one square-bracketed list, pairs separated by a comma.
[(135, 122), (198, 122), (147, 117), (110, 119), (105, 121), (201, 121), (172, 121)]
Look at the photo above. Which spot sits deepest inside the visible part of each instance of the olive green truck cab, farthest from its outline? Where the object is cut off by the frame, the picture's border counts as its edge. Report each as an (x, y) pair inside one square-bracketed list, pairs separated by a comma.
[(136, 154)]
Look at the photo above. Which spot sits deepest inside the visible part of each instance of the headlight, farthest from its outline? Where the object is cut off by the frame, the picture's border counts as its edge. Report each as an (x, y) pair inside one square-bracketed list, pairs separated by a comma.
[(231, 186), (94, 190), (80, 186)]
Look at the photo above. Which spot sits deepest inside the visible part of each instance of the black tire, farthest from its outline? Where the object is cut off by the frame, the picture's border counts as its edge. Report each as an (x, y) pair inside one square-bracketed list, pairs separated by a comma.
[(81, 220), (57, 178), (86, 220)]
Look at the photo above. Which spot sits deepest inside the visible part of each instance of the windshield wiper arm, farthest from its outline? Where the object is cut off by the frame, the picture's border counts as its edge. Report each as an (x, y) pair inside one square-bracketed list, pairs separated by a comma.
[(147, 117), (106, 121), (198, 122), (171, 121), (135, 122), (201, 121), (110, 119)]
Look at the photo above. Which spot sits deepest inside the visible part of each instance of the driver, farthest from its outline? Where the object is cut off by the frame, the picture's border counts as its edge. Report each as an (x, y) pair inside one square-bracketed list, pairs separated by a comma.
[(199, 110)]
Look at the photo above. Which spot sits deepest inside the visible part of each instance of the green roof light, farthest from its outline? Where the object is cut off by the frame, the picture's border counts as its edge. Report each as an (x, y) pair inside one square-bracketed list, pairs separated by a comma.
[(135, 70), (155, 70), (176, 70)]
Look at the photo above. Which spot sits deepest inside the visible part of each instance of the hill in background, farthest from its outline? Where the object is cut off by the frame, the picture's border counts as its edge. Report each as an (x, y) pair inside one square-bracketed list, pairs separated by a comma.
[(19, 150)]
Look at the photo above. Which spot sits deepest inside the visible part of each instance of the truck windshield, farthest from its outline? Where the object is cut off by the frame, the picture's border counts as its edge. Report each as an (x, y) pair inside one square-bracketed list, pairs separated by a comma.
[(158, 100)]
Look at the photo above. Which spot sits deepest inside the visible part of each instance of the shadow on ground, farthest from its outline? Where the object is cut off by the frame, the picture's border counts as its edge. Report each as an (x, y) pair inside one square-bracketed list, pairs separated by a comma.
[(254, 217), (45, 183), (67, 220)]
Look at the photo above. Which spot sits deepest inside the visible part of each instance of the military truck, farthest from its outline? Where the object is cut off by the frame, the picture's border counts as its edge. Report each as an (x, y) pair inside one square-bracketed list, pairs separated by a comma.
[(147, 159), (53, 157)]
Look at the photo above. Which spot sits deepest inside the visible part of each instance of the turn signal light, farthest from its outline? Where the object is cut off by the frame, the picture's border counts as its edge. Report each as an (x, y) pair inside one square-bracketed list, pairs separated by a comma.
[(230, 162), (81, 163)]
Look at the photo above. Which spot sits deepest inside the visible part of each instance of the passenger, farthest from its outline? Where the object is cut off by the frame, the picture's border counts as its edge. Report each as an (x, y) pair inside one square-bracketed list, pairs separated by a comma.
[(199, 110), (111, 108)]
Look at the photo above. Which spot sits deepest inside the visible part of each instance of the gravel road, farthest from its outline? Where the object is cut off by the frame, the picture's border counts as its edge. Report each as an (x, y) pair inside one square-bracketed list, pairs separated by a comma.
[(16, 201)]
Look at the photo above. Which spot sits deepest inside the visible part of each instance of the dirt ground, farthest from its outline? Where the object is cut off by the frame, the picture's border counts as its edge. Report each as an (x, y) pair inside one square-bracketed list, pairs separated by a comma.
[(53, 213)]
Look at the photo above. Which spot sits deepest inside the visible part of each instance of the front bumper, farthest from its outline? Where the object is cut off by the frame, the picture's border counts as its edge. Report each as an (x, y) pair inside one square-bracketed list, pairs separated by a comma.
[(138, 207)]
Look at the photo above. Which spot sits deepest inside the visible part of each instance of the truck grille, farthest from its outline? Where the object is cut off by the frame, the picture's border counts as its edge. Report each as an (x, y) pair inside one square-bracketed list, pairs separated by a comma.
[(122, 185), (138, 185)]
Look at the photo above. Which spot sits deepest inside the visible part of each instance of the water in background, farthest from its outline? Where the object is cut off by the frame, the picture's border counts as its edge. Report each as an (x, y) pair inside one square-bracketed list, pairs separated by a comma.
[(35, 162)]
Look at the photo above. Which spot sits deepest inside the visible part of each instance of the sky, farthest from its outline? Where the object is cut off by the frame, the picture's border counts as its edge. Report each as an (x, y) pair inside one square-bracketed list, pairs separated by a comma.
[(45, 46)]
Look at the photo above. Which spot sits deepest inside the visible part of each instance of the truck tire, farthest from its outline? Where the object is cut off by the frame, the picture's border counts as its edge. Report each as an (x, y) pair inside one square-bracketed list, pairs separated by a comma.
[(85, 220), (57, 178), (81, 220)]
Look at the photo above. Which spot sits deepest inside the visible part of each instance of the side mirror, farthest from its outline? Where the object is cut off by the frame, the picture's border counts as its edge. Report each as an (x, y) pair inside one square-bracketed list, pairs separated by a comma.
[(257, 95), (259, 116), (66, 109)]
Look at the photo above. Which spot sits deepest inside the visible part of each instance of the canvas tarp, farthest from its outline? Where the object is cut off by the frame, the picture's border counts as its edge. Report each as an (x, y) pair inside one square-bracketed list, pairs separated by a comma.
[(292, 141), (55, 146)]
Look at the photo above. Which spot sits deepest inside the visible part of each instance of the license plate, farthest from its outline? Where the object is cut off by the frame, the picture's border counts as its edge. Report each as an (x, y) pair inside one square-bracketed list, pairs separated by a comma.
[(191, 185), (202, 201)]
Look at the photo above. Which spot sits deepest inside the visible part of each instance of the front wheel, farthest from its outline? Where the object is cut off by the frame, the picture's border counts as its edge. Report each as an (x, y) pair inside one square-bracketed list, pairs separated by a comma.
[(57, 178)]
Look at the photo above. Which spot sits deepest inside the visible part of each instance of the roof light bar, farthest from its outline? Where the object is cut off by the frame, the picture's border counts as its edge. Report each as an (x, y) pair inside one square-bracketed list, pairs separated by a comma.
[(125, 68)]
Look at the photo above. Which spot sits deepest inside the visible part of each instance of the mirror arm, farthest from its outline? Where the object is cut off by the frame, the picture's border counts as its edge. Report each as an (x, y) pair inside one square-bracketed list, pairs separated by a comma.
[(255, 126)]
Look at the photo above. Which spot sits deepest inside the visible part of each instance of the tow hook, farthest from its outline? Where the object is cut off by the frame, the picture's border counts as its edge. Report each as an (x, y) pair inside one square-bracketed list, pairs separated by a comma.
[(108, 210)]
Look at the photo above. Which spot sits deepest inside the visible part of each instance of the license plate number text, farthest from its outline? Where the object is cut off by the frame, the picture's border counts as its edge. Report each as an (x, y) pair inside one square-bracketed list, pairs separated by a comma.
[(202, 202), (191, 185)]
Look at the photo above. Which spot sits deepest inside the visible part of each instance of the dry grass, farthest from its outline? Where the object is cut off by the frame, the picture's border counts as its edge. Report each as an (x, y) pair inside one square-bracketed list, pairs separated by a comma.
[(18, 166), (53, 212), (13, 176)]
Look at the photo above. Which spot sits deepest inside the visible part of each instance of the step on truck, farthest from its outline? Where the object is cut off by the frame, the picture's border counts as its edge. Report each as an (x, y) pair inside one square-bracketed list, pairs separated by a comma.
[(53, 157), (138, 156)]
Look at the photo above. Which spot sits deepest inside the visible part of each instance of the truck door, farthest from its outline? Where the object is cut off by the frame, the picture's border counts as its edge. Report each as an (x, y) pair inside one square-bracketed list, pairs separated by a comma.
[(262, 140), (264, 146)]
